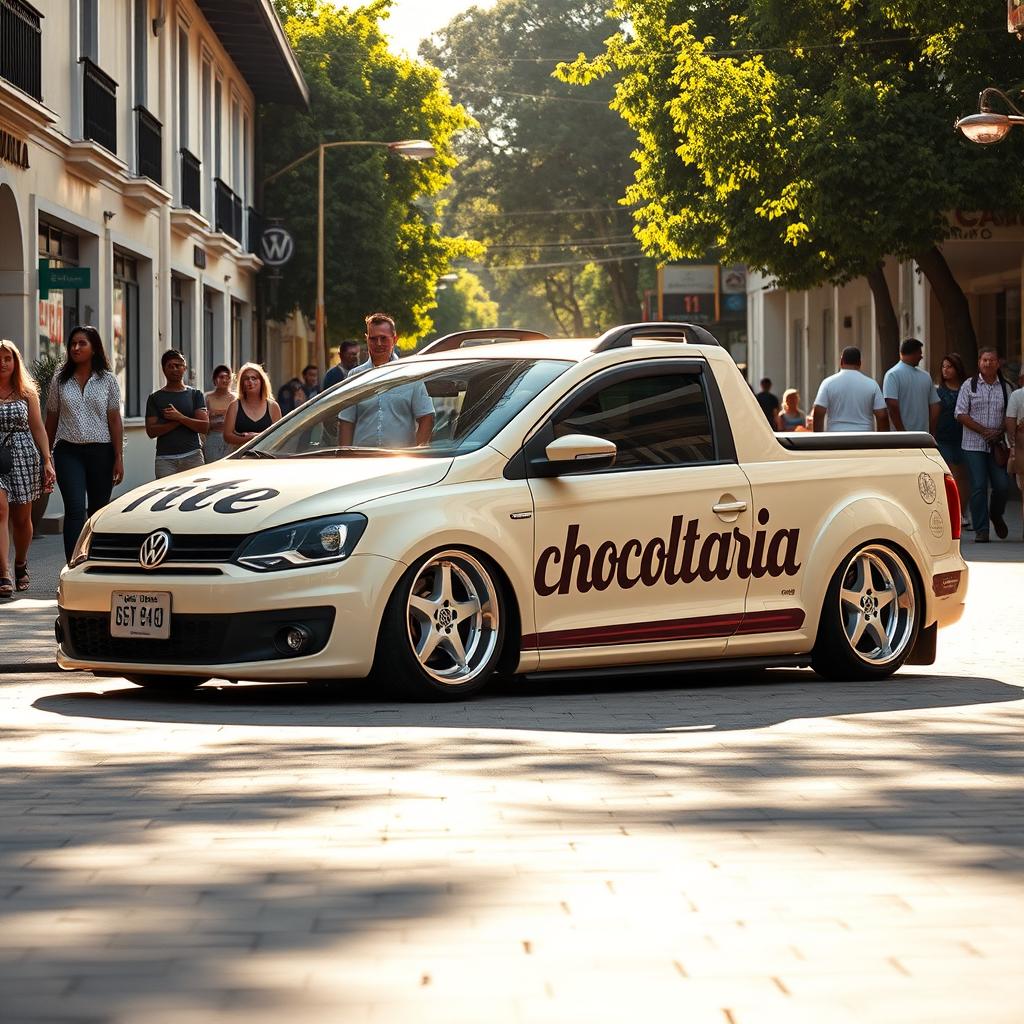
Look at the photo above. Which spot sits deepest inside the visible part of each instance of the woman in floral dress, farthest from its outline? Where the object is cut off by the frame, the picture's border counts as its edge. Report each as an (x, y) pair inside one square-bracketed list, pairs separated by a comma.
[(23, 434)]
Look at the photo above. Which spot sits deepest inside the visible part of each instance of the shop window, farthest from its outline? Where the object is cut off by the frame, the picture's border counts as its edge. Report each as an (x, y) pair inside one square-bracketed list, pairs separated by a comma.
[(237, 355), (59, 312), (181, 325), (125, 344), (209, 334)]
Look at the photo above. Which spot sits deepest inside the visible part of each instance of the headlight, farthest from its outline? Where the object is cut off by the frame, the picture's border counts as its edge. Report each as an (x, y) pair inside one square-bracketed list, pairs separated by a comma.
[(81, 552), (314, 542)]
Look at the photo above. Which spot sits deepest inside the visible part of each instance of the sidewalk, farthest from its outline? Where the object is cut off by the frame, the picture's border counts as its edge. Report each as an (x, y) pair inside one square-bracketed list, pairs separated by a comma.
[(26, 623)]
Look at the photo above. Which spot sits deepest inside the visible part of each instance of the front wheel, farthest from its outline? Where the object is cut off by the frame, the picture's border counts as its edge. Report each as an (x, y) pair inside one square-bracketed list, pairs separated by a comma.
[(443, 629), (168, 683), (871, 616)]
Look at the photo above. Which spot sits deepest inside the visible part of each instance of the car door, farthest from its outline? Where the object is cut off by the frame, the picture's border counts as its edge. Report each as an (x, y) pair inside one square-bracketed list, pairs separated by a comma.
[(636, 562)]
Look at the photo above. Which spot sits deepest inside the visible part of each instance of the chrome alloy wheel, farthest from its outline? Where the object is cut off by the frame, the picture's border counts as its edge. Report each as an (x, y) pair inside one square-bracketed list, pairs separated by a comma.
[(877, 606), (453, 617)]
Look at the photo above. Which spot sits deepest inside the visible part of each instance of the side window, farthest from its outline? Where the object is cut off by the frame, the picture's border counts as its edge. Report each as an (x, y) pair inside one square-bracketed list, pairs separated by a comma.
[(660, 420)]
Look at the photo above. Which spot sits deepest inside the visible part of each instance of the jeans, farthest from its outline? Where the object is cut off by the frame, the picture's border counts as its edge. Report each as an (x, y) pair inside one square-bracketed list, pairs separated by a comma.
[(85, 472), (168, 467), (984, 472)]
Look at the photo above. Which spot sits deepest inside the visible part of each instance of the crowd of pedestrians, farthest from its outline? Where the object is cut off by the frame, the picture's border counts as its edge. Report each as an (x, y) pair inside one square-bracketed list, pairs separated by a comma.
[(82, 426), (976, 418)]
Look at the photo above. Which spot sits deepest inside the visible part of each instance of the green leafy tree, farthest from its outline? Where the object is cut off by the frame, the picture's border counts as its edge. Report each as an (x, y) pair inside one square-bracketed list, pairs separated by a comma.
[(463, 305), (809, 139), (383, 247), (539, 180)]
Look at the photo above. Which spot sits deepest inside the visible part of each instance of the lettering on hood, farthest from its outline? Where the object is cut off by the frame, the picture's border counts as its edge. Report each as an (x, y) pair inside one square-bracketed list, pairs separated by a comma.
[(685, 557), (200, 497)]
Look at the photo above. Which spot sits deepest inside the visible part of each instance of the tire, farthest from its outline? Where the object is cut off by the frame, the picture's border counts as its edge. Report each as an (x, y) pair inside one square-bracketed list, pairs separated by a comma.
[(871, 616), (168, 684), (443, 629)]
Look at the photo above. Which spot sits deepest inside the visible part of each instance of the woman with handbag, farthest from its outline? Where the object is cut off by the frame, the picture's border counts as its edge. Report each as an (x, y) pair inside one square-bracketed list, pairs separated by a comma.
[(83, 423), (1015, 433), (25, 466)]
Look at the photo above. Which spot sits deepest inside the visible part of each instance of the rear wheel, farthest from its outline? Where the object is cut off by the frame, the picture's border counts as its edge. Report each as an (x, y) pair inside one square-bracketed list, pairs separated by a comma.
[(168, 683), (443, 628), (871, 616)]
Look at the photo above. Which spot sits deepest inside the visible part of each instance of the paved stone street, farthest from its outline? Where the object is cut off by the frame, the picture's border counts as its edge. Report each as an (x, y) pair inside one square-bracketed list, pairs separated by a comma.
[(731, 850)]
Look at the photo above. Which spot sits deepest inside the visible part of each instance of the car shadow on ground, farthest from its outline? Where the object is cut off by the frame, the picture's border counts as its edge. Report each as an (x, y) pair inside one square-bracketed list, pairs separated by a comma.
[(722, 701)]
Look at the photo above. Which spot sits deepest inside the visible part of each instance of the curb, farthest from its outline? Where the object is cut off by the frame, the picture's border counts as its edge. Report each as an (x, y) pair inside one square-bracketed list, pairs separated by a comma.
[(30, 667)]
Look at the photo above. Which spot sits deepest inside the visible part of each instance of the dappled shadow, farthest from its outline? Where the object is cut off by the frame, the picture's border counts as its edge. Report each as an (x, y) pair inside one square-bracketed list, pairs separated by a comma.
[(172, 850), (644, 705)]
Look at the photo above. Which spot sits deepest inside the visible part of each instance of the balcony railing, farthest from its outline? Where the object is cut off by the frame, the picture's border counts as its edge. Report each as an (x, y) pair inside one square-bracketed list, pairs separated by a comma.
[(255, 230), (149, 148), (21, 47), (229, 211), (99, 106), (191, 184)]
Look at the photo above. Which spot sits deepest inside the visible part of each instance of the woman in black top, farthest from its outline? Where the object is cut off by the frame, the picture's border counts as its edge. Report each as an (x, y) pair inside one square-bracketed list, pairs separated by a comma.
[(254, 410), (948, 433)]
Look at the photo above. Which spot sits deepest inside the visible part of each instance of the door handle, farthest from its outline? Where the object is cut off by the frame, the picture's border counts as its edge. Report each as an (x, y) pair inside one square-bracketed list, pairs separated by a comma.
[(726, 508)]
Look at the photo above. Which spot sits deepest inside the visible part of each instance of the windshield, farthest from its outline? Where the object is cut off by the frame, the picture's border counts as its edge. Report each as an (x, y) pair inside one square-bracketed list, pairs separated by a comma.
[(427, 409)]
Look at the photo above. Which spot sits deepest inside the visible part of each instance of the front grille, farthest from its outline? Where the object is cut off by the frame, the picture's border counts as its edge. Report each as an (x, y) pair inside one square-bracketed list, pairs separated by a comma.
[(195, 639), (163, 570), (124, 547)]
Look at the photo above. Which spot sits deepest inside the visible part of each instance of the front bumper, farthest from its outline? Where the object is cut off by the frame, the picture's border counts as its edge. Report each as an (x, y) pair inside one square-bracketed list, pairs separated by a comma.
[(228, 626)]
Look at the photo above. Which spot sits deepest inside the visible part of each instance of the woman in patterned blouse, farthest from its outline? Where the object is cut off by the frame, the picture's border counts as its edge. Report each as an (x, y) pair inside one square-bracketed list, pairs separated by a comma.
[(22, 434), (83, 422)]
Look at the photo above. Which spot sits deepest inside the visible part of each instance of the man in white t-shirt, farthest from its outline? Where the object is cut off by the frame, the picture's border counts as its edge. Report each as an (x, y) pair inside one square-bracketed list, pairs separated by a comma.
[(851, 400)]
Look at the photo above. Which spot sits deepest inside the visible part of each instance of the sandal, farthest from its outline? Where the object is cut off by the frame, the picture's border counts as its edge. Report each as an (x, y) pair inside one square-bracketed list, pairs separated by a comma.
[(6, 589), (22, 580)]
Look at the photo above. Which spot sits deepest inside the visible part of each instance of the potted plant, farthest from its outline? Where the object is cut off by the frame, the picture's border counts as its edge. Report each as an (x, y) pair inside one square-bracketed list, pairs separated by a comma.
[(42, 370)]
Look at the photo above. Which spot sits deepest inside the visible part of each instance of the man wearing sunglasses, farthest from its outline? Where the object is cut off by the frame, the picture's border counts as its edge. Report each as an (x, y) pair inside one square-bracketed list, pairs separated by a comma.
[(401, 417)]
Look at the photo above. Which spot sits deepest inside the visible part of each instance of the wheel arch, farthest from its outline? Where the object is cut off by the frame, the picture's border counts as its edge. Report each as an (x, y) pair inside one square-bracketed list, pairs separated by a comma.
[(849, 527)]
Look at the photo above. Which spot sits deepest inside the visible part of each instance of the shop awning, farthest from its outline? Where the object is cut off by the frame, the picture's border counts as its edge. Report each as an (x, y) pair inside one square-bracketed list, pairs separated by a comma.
[(255, 41)]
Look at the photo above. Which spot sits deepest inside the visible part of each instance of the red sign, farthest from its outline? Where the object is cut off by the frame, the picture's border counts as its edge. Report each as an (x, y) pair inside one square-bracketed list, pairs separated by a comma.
[(1015, 15)]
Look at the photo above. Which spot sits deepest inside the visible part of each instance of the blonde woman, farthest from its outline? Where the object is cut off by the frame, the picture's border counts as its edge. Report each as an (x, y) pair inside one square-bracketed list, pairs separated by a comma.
[(254, 410), (789, 417), (30, 471)]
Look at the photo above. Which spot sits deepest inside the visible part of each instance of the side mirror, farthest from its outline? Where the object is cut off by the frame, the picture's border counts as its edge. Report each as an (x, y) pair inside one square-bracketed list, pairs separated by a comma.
[(575, 453)]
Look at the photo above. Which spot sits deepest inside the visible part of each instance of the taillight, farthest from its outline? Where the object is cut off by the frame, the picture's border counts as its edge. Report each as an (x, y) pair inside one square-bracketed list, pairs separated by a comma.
[(953, 506)]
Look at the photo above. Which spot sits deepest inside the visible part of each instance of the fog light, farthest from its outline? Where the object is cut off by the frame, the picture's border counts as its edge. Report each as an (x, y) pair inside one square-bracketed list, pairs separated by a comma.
[(293, 639)]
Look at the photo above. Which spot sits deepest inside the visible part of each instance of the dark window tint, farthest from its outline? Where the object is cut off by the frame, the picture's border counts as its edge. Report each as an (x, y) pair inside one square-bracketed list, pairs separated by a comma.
[(659, 420)]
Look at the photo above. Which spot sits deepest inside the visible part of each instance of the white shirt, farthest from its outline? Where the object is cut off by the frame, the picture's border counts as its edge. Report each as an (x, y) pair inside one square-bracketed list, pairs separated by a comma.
[(850, 400), (83, 413), (1015, 411)]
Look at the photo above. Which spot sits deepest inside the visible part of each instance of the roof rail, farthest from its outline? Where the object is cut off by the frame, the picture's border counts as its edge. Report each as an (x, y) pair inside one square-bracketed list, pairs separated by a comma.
[(622, 337), (458, 339)]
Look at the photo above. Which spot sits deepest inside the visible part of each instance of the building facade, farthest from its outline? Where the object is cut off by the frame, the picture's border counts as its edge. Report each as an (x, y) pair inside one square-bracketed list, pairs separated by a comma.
[(796, 337), (127, 149)]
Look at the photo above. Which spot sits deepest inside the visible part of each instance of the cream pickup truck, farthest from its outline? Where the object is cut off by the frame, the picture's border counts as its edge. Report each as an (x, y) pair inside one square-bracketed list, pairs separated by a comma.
[(616, 504)]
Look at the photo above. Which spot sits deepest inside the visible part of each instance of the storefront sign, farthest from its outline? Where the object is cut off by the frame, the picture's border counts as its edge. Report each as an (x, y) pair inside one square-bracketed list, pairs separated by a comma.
[(1015, 15), (985, 225), (13, 150), (61, 277)]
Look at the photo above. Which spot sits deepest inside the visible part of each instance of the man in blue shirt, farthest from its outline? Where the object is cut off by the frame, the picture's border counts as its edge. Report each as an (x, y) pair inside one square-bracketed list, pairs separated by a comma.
[(909, 393), (348, 361), (397, 417)]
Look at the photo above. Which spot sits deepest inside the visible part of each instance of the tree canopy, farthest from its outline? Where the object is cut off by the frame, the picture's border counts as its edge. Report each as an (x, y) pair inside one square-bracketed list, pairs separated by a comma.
[(807, 138), (463, 305), (383, 247), (539, 179)]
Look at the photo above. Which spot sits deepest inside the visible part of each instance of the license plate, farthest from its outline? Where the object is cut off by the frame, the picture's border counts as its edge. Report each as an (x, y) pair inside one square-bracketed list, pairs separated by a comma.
[(140, 614)]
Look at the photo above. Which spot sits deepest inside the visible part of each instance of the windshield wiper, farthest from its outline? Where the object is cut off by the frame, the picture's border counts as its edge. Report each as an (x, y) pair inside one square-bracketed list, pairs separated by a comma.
[(359, 453), (255, 453)]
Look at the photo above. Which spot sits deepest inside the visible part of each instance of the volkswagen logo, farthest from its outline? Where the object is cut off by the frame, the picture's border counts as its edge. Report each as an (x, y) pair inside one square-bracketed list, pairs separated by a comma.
[(154, 549)]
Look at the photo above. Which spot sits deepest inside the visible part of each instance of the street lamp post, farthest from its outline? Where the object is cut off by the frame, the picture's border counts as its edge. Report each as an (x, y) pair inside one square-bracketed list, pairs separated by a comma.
[(408, 149), (987, 127)]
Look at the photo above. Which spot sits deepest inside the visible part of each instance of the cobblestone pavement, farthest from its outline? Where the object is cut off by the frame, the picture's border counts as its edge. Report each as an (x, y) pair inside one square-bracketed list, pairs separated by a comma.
[(733, 850)]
